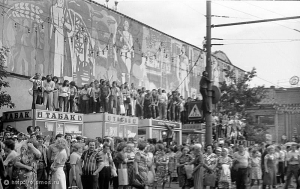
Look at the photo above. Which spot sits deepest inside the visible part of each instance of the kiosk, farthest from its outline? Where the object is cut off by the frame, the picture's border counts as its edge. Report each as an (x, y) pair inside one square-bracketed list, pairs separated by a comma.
[(152, 128), (50, 122), (104, 124), (193, 132)]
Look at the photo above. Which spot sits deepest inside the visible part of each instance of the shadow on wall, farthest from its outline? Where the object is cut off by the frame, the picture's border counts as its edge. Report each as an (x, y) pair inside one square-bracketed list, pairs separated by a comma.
[(18, 91)]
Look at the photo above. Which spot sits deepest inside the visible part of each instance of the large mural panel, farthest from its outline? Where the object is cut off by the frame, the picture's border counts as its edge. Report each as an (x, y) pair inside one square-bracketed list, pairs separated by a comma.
[(82, 41)]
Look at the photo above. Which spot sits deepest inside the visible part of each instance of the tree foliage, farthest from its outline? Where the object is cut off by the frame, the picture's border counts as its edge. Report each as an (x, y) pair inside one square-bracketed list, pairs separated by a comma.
[(5, 99), (237, 96)]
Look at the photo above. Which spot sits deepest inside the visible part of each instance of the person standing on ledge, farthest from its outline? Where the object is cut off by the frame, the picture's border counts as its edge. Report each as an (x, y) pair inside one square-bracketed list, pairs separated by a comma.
[(170, 134), (204, 92)]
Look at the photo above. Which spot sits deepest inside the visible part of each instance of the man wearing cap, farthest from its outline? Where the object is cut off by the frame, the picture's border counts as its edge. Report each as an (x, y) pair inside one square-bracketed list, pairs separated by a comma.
[(293, 161)]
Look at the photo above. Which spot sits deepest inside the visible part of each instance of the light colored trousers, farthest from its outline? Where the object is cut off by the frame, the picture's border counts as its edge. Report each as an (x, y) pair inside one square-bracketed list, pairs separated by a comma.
[(48, 98)]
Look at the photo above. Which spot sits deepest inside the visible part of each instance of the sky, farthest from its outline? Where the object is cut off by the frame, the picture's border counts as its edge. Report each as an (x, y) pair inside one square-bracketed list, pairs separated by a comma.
[(273, 48)]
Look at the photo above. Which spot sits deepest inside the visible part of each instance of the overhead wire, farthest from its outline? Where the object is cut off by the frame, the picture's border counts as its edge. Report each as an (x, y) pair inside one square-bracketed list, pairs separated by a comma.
[(293, 29), (269, 11), (261, 42)]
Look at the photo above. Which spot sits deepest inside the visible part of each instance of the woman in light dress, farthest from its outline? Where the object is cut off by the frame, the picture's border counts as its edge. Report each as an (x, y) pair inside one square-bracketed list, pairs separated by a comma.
[(76, 171), (58, 180), (224, 166), (256, 173), (270, 162)]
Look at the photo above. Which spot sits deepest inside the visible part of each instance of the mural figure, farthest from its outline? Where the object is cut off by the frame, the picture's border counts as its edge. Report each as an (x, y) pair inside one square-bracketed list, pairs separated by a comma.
[(127, 52), (183, 73), (57, 32)]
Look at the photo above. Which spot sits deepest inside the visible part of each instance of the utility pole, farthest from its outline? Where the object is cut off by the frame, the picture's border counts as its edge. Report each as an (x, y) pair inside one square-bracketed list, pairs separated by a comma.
[(208, 116)]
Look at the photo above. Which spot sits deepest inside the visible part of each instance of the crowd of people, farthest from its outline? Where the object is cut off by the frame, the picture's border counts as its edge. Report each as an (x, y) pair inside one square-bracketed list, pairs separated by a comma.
[(33, 160), (105, 96)]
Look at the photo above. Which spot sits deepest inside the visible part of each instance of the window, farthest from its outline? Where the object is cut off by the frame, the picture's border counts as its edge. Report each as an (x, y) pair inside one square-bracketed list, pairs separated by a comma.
[(266, 120), (142, 132)]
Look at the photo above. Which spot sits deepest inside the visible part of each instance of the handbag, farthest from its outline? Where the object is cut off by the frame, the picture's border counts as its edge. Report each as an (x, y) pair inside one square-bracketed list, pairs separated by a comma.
[(123, 175), (209, 180), (73, 185), (189, 171), (137, 182), (113, 170), (122, 109)]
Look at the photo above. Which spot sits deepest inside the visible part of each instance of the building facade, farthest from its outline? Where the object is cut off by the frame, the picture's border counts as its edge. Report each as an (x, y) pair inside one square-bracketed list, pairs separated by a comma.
[(280, 110)]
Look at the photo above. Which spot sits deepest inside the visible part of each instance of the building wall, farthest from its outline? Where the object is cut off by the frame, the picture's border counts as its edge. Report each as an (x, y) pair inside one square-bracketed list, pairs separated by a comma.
[(82, 41), (18, 91)]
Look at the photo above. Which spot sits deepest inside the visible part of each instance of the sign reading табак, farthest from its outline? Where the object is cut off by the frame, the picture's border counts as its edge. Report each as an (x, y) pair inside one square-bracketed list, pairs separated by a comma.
[(62, 116), (17, 116)]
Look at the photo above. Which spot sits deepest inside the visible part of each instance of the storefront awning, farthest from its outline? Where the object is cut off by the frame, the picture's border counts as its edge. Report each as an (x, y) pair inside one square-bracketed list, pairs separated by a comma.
[(190, 131)]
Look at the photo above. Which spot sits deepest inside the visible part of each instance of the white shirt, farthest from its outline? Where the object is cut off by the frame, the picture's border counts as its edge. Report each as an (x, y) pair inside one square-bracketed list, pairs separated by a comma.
[(18, 146), (291, 154), (243, 160)]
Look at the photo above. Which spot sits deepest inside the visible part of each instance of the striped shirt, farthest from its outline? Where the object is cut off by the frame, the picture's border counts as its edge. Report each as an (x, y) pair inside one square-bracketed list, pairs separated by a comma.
[(91, 162)]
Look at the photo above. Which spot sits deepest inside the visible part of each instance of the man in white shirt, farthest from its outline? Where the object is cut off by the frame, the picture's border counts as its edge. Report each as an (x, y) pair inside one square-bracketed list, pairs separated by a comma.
[(48, 87), (162, 104), (241, 159), (293, 161), (19, 143)]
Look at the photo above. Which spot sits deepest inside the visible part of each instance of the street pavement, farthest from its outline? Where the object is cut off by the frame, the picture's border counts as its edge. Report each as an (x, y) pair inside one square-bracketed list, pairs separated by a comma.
[(175, 185)]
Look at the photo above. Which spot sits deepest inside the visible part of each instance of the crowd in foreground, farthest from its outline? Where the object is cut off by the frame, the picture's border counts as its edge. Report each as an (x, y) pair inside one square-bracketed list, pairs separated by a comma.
[(106, 96), (36, 161)]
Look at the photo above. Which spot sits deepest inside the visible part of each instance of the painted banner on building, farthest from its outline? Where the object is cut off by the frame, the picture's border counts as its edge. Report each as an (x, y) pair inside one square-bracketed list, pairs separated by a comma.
[(83, 41)]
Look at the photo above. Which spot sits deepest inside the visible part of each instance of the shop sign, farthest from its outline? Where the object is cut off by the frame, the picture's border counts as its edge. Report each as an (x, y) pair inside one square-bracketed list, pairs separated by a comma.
[(121, 119), (164, 123), (58, 116), (17, 116), (192, 126)]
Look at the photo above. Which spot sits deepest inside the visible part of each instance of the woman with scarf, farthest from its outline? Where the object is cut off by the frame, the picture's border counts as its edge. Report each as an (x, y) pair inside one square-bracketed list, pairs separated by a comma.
[(224, 165), (140, 164), (129, 154), (25, 166), (58, 179), (184, 159), (198, 168), (210, 163), (161, 161)]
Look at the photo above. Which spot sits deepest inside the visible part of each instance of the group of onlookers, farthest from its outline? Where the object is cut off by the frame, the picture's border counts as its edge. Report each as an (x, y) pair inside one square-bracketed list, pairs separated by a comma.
[(105, 96), (33, 160)]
